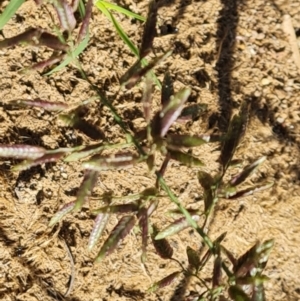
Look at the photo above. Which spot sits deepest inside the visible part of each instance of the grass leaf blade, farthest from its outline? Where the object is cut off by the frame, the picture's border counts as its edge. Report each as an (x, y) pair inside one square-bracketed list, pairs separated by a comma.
[(162, 246), (65, 14), (121, 10), (149, 30), (27, 37), (99, 226), (9, 11), (120, 231), (71, 56), (144, 226), (172, 110), (40, 103), (61, 213), (164, 282), (190, 141), (185, 158), (84, 29), (118, 28), (232, 194), (193, 257), (237, 294), (175, 227), (47, 158), (123, 208), (138, 70), (85, 189), (246, 172), (20, 151), (167, 90), (236, 130), (116, 162)]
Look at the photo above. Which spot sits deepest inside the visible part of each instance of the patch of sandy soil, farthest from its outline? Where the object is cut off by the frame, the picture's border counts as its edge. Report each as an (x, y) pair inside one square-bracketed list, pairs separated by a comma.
[(227, 51)]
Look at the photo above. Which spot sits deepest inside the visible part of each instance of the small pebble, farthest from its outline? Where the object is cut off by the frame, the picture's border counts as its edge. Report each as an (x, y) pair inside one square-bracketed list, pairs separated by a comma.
[(280, 120), (64, 175), (265, 81)]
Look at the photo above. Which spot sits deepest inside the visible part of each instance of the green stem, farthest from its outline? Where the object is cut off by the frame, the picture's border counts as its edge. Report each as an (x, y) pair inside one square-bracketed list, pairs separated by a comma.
[(174, 199)]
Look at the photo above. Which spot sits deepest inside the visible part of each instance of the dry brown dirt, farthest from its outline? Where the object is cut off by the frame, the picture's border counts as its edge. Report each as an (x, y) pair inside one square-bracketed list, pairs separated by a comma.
[(227, 51)]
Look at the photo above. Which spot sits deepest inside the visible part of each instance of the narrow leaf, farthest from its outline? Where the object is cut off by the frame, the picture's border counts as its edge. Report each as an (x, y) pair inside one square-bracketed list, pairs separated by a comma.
[(254, 260), (152, 207), (19, 151), (236, 130), (9, 11), (53, 42), (61, 213), (207, 182), (150, 161), (71, 56), (85, 189), (190, 141), (229, 255), (47, 158), (175, 227), (164, 166), (193, 257), (115, 162), (85, 152), (137, 71), (189, 210), (65, 14), (217, 272), (163, 282), (40, 103), (232, 194), (38, 2), (146, 98), (144, 226), (185, 158), (143, 217), (193, 112), (216, 244), (258, 293), (123, 208), (120, 231), (121, 10), (30, 36), (46, 63), (149, 30), (99, 226), (75, 5), (237, 294), (118, 28), (247, 171), (83, 32), (255, 280), (162, 246), (167, 90), (165, 118)]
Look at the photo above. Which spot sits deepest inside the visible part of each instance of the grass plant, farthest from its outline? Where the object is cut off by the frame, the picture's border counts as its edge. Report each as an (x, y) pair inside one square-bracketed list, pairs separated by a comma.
[(244, 279)]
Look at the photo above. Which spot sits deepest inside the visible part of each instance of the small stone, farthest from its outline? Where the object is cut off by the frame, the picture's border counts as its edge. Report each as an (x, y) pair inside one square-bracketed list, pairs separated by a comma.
[(260, 36), (280, 120), (265, 81), (64, 175), (257, 93)]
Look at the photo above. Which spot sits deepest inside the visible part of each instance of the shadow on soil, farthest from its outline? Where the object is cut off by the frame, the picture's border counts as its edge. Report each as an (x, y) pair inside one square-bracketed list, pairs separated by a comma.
[(46, 284)]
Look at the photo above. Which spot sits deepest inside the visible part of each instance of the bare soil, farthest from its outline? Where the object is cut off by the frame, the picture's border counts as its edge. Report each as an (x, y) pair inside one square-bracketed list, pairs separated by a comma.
[(227, 51)]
